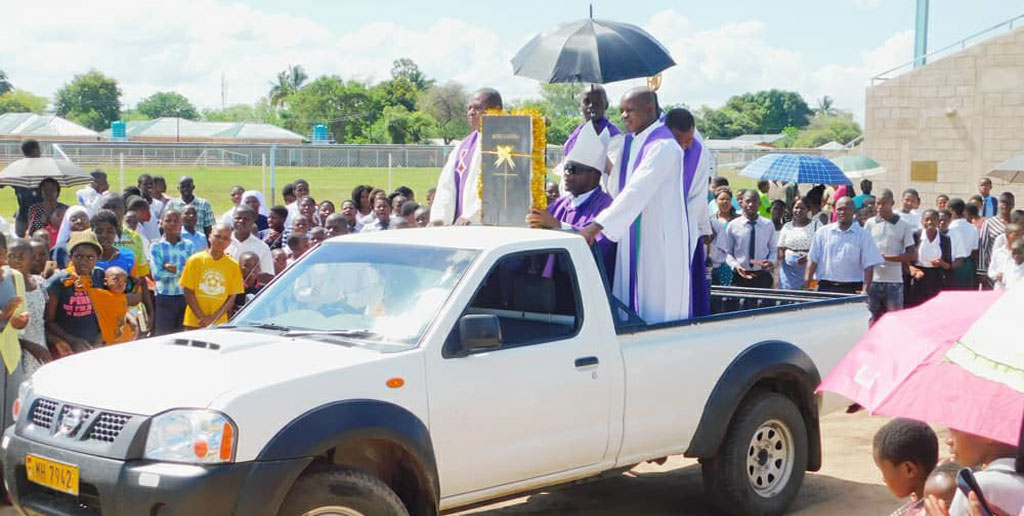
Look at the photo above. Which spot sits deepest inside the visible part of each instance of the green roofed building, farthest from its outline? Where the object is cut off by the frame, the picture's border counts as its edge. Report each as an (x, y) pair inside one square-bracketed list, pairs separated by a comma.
[(171, 129), (22, 126)]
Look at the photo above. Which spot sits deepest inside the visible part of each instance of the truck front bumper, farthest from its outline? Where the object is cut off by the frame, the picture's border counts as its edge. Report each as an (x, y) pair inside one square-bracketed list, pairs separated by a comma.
[(113, 487)]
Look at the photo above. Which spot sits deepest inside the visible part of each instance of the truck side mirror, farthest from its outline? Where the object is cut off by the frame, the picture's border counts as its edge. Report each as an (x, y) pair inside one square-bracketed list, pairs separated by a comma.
[(479, 332)]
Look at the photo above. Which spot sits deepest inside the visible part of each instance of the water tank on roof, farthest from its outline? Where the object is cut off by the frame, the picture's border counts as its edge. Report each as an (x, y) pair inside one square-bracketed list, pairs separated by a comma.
[(118, 131), (320, 134)]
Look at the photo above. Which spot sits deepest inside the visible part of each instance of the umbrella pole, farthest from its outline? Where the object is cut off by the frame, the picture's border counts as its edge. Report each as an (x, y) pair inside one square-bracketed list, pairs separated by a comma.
[(121, 159)]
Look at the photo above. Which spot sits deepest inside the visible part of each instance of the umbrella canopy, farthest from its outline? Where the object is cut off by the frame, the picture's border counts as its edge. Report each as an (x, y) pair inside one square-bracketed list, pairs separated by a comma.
[(953, 361), (28, 172), (796, 168), (596, 51), (1011, 170), (857, 166)]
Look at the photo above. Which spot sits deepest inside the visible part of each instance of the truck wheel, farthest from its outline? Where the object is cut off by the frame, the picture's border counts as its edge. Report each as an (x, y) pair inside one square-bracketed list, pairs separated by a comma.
[(761, 464), (341, 492)]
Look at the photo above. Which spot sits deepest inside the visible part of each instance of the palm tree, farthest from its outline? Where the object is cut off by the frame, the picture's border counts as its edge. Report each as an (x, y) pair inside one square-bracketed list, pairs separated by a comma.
[(288, 81), (825, 106)]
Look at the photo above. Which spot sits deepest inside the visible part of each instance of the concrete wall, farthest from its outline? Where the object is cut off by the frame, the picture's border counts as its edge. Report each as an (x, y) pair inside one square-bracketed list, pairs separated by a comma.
[(965, 111)]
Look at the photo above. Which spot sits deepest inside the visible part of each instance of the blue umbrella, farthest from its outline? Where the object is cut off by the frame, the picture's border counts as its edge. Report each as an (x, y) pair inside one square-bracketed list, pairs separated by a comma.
[(595, 51), (796, 168)]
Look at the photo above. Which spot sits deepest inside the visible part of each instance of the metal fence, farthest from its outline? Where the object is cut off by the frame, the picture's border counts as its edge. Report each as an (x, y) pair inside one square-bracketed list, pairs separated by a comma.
[(107, 154)]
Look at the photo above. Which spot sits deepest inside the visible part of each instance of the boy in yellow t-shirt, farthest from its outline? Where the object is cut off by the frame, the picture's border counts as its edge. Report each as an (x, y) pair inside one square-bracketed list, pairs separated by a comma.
[(211, 280)]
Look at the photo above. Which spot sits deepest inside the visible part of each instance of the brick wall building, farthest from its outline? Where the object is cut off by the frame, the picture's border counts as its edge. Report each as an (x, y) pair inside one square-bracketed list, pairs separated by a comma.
[(964, 113)]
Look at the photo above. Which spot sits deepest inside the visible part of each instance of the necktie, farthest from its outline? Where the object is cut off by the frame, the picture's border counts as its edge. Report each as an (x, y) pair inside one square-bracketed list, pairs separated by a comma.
[(752, 249)]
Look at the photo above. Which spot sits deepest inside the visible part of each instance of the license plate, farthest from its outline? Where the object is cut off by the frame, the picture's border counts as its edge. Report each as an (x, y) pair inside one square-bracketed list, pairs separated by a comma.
[(55, 475)]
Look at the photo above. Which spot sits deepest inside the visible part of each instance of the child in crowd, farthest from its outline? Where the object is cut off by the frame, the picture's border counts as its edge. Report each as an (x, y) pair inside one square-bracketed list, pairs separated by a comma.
[(298, 244), (169, 256), (326, 209), (112, 307), (189, 219), (76, 218), (131, 221), (317, 235), (280, 260), (33, 336), (995, 471), (906, 451), (52, 226), (41, 262), (1014, 273), (249, 263), (942, 482)]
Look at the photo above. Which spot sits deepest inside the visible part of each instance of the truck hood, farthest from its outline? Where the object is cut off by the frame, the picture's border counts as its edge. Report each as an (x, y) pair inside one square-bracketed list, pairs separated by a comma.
[(187, 370)]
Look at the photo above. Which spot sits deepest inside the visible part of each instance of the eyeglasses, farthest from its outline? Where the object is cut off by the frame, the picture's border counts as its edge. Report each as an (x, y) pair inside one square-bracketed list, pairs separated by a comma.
[(576, 169), (85, 257)]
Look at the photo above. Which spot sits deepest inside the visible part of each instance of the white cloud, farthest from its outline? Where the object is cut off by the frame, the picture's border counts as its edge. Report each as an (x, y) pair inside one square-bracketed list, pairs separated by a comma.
[(186, 45)]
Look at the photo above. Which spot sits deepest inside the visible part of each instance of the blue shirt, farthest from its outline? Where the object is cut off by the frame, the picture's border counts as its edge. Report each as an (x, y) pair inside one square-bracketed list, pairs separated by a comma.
[(735, 242), (198, 239), (165, 253), (841, 255)]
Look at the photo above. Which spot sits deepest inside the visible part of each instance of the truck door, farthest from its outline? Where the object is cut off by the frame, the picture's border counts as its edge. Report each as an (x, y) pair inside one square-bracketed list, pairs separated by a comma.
[(536, 405)]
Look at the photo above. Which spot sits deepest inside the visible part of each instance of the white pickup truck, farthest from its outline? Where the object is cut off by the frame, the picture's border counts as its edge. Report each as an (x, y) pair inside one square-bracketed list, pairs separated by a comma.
[(412, 372)]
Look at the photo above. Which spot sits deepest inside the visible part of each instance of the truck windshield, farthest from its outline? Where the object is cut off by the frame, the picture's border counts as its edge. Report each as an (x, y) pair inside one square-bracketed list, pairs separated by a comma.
[(379, 296)]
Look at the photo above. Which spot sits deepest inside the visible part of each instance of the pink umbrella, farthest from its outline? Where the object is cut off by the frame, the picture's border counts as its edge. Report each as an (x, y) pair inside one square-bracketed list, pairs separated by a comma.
[(938, 363)]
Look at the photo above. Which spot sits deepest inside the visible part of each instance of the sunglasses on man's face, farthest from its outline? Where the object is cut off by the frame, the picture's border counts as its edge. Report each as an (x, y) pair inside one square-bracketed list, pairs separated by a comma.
[(575, 169)]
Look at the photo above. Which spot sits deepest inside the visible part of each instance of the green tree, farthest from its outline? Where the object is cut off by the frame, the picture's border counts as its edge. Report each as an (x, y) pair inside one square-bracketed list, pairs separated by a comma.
[(447, 104), (401, 126), (5, 84), (91, 99), (167, 103), (724, 123), (405, 68), (347, 108), (288, 82), (261, 111), (21, 101), (826, 128), (561, 100), (772, 110), (396, 92)]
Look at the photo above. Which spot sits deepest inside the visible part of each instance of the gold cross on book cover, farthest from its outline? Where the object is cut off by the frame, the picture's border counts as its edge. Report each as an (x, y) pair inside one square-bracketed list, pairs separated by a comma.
[(512, 168)]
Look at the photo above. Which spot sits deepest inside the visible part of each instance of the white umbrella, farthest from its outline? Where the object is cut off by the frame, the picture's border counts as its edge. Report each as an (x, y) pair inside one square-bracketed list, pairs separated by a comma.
[(28, 172), (1011, 170)]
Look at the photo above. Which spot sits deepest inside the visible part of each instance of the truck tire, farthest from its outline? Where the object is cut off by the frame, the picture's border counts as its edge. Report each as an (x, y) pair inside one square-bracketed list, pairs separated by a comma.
[(341, 492), (762, 460)]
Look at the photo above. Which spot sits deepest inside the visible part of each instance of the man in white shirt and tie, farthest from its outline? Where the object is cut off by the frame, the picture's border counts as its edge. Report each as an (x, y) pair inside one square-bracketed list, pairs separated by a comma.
[(750, 244)]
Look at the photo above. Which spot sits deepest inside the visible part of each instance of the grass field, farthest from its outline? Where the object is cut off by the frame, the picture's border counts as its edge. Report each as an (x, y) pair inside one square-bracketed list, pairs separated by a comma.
[(335, 184), (214, 184)]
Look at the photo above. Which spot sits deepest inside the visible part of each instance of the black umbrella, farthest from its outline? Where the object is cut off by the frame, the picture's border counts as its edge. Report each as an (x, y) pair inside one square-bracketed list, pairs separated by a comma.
[(595, 51)]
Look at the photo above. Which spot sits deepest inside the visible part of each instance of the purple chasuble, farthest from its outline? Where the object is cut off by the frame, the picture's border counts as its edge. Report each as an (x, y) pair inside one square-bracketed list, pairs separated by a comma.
[(581, 216), (661, 133), (603, 124), (700, 296), (463, 160)]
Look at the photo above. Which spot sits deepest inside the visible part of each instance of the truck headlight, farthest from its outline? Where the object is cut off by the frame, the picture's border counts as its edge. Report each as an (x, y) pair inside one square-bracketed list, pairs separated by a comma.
[(191, 436), (23, 391)]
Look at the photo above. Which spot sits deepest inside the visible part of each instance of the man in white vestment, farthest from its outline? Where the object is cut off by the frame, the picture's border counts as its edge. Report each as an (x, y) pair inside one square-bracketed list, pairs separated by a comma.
[(455, 199), (647, 216)]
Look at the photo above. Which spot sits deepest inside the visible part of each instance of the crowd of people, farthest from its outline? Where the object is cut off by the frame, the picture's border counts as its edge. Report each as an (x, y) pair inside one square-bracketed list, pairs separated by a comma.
[(831, 239), (118, 266)]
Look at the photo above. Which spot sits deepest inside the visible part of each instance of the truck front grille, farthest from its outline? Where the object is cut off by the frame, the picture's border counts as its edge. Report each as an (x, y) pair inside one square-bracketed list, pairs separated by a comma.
[(44, 412), (108, 426)]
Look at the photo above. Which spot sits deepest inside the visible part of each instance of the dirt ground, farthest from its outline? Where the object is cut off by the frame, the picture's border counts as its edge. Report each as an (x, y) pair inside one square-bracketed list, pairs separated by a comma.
[(848, 484)]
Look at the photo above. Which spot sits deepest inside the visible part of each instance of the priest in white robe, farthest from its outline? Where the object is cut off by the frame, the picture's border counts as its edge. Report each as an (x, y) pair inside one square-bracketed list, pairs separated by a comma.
[(647, 216), (455, 199), (696, 172)]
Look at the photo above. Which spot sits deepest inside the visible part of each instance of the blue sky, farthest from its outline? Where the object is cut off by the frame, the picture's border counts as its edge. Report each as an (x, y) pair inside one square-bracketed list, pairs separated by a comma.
[(723, 48)]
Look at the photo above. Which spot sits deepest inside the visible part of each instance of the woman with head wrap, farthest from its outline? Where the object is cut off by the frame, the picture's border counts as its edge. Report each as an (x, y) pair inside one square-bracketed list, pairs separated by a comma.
[(76, 218), (254, 199)]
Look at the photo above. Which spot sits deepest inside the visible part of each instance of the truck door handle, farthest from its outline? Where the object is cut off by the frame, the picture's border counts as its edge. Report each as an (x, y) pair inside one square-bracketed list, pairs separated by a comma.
[(586, 361)]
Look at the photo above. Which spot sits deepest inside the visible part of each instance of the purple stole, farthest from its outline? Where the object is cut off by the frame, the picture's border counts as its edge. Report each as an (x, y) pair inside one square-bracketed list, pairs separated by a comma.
[(700, 296), (661, 133), (463, 160), (579, 217), (571, 140)]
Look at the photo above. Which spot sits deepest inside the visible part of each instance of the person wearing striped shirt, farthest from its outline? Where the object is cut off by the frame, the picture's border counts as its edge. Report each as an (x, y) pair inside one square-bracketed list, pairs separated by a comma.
[(169, 256)]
